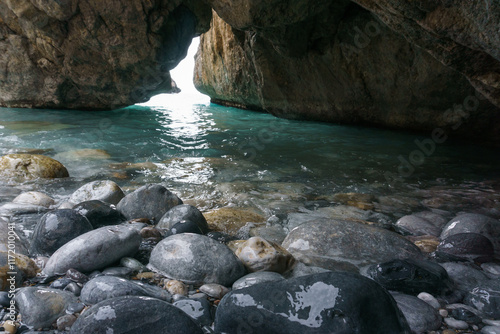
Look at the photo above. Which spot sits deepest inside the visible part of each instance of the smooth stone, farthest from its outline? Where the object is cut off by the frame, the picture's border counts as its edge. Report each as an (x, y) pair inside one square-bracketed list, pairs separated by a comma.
[(486, 298), (65, 322), (302, 269), (198, 309), (4, 299), (345, 245), (60, 283), (415, 225), (258, 254), (9, 327), (456, 324), (176, 287), (180, 213), (76, 276), (274, 233), (34, 198), (106, 191), (185, 226), (40, 307), (322, 303), (256, 278), (465, 276), (437, 217), (230, 220), (490, 330), (123, 272), (421, 316), (151, 201), (429, 299), (196, 259), (8, 210), (30, 166), (55, 229), (75, 308), (94, 250), (134, 314), (99, 213), (133, 264), (106, 287), (467, 246), (464, 314), (474, 223), (213, 290), (74, 288), (411, 276)]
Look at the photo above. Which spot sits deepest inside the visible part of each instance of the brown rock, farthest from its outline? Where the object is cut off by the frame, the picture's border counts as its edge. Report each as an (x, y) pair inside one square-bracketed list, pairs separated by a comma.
[(93, 54), (258, 254), (230, 220), (28, 166)]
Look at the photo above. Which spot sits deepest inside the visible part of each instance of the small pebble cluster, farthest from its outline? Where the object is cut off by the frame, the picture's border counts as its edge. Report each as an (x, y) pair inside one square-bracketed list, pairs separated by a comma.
[(102, 261)]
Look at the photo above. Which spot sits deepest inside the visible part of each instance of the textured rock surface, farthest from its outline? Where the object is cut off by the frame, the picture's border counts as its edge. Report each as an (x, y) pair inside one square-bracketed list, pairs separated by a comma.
[(93, 54), (28, 166), (333, 61), (322, 303)]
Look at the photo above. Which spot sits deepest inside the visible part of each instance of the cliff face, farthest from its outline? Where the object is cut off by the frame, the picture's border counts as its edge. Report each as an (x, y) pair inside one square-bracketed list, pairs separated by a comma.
[(336, 62), (93, 54)]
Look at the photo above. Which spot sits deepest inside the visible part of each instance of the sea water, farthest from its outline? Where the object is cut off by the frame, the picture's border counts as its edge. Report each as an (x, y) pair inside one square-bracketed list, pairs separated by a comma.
[(213, 156)]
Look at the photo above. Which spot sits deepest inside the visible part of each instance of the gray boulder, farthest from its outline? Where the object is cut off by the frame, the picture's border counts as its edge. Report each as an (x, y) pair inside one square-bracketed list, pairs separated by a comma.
[(421, 317), (94, 250), (183, 212), (106, 191), (194, 258)]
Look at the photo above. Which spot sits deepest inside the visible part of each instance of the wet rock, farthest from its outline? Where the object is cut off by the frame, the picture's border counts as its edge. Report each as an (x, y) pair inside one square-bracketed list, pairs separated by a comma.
[(151, 201), (99, 213), (323, 303), (55, 229), (106, 287), (134, 314), (466, 277), (60, 283), (421, 317), (4, 299), (65, 322), (151, 232), (411, 276), (106, 191), (73, 288), (361, 201), (10, 210), (9, 230), (213, 290), (83, 154), (185, 226), (429, 299), (474, 223), (176, 287), (118, 272), (94, 250), (40, 307), (181, 213), (23, 267), (415, 225), (302, 269), (491, 269), (426, 243), (256, 278), (258, 254), (466, 246), (465, 314), (198, 309), (486, 298), (274, 233), (34, 198), (30, 166), (133, 264), (490, 330), (194, 258), (221, 237), (230, 220), (456, 324), (76, 276), (337, 244)]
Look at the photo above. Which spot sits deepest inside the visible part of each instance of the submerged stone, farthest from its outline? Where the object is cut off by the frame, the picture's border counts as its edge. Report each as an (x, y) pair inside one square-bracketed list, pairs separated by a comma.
[(194, 258), (151, 201), (134, 314), (55, 229), (94, 250), (321, 303)]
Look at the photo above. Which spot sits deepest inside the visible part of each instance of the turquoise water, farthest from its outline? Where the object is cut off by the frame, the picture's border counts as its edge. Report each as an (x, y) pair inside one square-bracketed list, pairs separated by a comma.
[(214, 156)]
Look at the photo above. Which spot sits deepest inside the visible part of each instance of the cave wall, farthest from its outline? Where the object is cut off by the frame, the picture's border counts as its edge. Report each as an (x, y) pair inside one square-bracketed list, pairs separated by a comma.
[(340, 64), (93, 54)]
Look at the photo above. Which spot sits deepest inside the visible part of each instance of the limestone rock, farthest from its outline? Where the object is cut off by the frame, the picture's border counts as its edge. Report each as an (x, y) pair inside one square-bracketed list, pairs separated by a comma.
[(337, 244), (93, 54), (194, 258), (29, 166), (258, 254), (337, 62), (94, 250)]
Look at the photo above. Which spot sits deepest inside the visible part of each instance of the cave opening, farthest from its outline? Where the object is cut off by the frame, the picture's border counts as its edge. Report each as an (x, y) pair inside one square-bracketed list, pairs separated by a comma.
[(182, 74)]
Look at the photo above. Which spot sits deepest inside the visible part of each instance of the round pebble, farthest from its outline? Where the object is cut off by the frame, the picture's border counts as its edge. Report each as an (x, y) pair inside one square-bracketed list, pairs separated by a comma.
[(214, 290), (176, 287), (456, 324), (76, 276), (75, 308), (443, 313), (74, 288), (65, 322), (10, 327)]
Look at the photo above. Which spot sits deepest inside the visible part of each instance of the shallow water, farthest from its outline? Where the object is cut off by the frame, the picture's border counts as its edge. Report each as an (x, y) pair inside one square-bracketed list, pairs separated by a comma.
[(213, 156)]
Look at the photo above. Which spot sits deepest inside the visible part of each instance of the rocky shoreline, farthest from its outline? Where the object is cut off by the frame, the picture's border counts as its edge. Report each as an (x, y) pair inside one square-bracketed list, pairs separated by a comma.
[(100, 260)]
